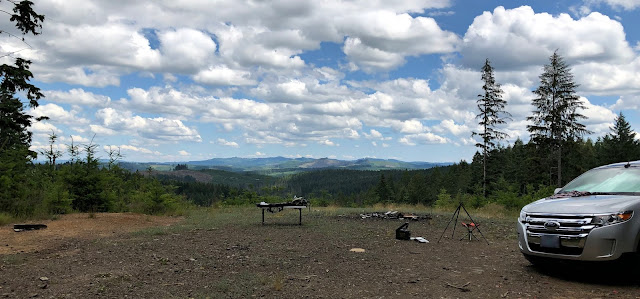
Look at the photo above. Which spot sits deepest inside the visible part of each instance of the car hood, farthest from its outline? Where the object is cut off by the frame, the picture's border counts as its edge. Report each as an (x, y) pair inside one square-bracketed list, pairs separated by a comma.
[(594, 204)]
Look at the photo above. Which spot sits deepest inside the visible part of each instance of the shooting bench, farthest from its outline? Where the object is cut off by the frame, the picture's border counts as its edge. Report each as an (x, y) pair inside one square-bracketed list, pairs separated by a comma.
[(298, 203)]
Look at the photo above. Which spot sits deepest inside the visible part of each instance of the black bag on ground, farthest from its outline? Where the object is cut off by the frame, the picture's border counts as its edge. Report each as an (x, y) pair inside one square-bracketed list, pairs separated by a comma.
[(402, 233)]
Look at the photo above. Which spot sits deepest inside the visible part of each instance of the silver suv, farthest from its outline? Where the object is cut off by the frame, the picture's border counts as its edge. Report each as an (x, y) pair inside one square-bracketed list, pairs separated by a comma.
[(593, 218)]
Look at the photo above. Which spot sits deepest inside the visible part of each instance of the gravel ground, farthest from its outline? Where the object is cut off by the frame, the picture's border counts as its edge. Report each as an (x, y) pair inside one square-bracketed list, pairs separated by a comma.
[(227, 253)]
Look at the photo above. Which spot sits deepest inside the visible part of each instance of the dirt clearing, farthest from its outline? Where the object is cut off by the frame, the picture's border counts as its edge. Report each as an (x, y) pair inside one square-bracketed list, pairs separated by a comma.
[(227, 253), (76, 226)]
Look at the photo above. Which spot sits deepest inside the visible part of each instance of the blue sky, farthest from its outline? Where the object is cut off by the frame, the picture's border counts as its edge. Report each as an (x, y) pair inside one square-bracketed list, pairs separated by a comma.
[(193, 80)]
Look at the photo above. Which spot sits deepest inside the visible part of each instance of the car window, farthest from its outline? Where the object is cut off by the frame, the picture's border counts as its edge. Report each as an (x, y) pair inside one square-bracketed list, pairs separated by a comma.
[(616, 179)]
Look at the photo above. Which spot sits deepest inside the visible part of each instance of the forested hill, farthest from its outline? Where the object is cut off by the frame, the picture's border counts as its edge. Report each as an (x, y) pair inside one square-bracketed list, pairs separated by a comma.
[(516, 175), (216, 176), (281, 165), (346, 181), (339, 186)]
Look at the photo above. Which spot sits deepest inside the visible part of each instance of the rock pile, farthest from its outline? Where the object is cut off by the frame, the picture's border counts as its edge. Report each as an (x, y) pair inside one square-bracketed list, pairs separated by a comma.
[(395, 215)]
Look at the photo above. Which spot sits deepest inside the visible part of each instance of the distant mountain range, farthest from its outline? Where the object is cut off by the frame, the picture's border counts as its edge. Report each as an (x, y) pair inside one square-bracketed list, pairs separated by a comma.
[(282, 164)]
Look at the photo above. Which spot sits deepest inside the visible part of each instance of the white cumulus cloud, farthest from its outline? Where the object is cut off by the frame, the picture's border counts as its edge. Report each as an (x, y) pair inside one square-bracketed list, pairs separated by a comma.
[(223, 75), (519, 37), (221, 141), (158, 128), (77, 96)]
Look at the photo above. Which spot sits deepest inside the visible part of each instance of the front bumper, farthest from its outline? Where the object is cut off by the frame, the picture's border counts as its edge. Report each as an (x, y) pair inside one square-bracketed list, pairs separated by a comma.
[(600, 244)]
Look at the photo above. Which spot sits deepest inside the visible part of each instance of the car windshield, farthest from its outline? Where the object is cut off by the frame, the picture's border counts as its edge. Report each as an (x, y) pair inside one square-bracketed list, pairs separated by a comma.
[(606, 180)]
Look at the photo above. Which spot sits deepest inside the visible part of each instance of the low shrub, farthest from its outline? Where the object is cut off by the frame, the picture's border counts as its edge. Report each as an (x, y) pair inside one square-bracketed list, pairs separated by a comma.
[(5, 219)]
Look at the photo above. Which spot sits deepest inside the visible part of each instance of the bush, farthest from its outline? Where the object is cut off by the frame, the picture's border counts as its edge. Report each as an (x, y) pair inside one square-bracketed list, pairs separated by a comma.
[(319, 202), (532, 194), (5, 218), (57, 200), (509, 199), (156, 201), (445, 200)]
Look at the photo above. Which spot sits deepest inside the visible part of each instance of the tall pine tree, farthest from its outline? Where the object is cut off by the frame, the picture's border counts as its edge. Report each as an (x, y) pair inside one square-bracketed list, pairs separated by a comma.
[(492, 114), (556, 118), (620, 145), (15, 139), (15, 78), (382, 190)]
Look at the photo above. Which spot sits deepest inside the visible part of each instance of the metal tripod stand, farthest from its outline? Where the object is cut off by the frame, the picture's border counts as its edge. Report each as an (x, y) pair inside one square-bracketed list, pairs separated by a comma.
[(456, 214)]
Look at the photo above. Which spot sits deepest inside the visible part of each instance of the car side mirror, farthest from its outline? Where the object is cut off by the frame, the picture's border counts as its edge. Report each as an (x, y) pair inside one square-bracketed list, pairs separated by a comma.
[(557, 190)]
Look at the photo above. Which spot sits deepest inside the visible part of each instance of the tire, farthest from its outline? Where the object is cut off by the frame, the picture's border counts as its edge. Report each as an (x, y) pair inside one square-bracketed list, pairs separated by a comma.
[(629, 258)]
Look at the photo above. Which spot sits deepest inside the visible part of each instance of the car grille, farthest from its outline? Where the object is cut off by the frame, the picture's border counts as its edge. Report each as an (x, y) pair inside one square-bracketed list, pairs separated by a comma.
[(572, 231)]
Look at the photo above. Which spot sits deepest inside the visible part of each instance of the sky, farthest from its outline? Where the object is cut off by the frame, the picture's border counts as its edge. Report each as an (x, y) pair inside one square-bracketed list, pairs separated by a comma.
[(167, 80)]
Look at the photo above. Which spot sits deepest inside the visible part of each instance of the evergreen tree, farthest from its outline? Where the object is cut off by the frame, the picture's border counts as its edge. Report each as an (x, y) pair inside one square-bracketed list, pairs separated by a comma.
[(181, 167), (15, 78), (114, 156), (15, 139), (620, 145), (492, 114), (417, 188), (519, 165), (556, 117), (382, 190), (52, 153)]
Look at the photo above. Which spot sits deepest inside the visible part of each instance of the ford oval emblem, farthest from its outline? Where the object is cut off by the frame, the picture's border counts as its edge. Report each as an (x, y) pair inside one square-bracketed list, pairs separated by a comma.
[(552, 225)]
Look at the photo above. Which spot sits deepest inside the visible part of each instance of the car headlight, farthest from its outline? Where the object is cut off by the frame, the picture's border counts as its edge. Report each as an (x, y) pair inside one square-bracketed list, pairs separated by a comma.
[(522, 217), (604, 220)]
